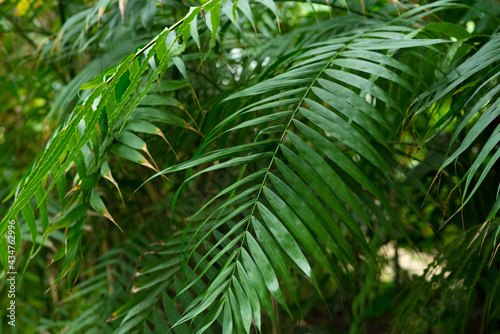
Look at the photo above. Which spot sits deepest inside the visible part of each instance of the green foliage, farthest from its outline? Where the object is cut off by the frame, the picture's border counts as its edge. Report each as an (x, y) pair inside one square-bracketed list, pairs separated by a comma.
[(287, 147)]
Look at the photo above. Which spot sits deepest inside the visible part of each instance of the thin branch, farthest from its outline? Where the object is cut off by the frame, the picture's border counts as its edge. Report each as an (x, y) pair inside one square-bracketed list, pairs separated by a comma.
[(207, 78), (320, 2), (21, 32)]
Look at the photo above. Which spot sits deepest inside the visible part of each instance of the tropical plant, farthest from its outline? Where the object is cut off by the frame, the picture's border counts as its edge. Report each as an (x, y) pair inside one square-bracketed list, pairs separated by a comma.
[(286, 147)]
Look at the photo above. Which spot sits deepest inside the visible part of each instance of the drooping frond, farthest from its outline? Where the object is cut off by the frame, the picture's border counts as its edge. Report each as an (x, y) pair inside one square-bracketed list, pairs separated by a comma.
[(305, 195), (103, 123)]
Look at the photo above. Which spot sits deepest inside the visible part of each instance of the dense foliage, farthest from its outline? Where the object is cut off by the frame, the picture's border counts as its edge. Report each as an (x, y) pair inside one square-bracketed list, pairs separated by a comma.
[(235, 166)]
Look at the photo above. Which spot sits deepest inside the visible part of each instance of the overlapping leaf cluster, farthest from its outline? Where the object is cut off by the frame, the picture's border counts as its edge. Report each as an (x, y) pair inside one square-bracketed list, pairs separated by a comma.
[(344, 95)]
